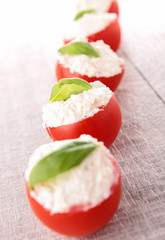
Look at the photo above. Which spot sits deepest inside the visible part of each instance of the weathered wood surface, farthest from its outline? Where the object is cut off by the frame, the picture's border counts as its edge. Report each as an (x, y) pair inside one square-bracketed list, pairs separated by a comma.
[(26, 77)]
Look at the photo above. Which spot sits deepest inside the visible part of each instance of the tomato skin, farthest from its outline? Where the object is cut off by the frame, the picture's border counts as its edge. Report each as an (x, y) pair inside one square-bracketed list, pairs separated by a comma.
[(78, 222), (104, 125), (111, 35), (111, 82), (114, 8)]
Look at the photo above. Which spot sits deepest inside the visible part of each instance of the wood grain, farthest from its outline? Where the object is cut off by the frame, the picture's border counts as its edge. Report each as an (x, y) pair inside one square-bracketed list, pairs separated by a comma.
[(26, 77)]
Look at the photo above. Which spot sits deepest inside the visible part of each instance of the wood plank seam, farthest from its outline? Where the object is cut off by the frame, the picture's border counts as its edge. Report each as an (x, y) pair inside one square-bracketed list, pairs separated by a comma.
[(142, 75)]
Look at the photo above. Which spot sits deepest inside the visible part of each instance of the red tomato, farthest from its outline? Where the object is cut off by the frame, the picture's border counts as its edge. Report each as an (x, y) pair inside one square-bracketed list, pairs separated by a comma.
[(78, 222), (111, 82), (111, 35), (114, 8), (104, 125)]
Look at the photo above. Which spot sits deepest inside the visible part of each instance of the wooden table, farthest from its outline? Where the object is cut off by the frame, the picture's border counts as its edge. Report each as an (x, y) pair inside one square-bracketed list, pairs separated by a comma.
[(30, 36)]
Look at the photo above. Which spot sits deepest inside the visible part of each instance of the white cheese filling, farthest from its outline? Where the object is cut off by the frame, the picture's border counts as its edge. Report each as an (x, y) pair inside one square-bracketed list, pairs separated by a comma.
[(98, 5), (97, 22), (87, 184), (77, 107), (107, 65)]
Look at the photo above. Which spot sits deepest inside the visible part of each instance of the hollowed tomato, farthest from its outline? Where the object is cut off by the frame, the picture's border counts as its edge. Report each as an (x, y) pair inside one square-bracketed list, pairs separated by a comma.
[(77, 221), (104, 125), (111, 35), (111, 82)]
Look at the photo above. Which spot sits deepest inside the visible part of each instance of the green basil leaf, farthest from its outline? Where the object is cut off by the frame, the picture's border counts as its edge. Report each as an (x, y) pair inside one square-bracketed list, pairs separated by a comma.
[(81, 13), (68, 86), (60, 161), (78, 48)]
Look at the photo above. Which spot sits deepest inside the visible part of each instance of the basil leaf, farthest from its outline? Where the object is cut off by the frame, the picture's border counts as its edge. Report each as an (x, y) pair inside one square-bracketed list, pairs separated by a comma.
[(66, 87), (78, 48), (60, 161), (81, 13)]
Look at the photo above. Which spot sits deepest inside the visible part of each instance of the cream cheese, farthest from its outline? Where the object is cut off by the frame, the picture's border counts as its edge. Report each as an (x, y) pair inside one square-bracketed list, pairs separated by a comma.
[(97, 22), (98, 5), (77, 107), (87, 184), (107, 65)]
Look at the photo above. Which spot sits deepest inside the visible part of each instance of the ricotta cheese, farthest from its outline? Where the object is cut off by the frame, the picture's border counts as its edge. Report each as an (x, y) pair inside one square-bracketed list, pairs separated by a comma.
[(107, 65), (97, 23), (98, 5), (87, 184), (77, 107)]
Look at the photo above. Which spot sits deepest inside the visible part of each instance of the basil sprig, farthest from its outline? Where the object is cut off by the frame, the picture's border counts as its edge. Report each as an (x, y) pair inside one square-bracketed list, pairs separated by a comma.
[(60, 161), (81, 13), (78, 48), (68, 86)]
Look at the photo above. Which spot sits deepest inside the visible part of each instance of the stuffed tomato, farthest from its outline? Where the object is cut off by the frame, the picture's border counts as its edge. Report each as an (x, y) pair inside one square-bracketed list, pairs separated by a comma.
[(103, 26), (77, 107), (76, 59), (110, 6), (73, 186)]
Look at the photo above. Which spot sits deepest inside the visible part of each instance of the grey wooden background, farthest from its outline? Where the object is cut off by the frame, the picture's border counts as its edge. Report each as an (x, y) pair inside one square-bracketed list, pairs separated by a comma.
[(27, 56)]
